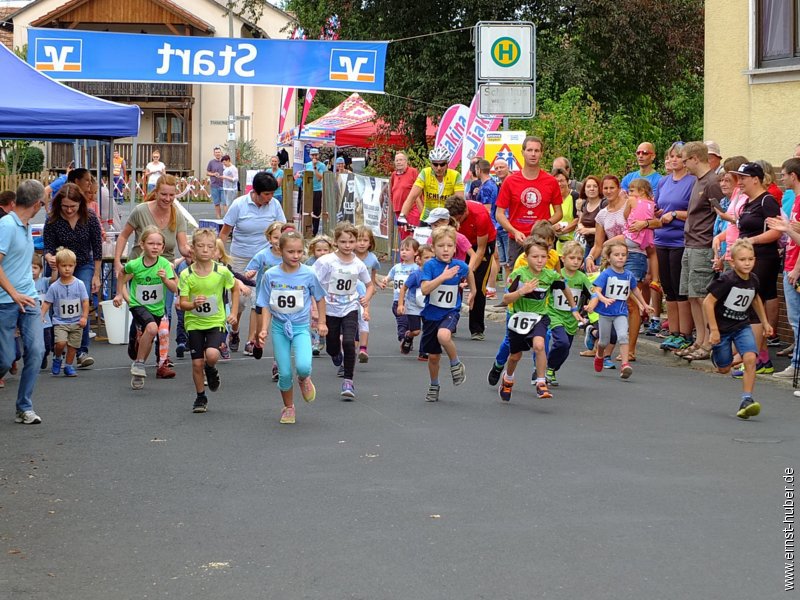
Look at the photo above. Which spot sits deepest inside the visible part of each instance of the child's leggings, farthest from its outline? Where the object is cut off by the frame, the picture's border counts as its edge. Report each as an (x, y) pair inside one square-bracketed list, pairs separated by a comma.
[(618, 324), (345, 328), (282, 346)]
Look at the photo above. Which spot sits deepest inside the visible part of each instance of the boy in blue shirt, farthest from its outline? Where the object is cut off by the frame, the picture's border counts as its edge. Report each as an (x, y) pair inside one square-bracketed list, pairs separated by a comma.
[(70, 301), (441, 278)]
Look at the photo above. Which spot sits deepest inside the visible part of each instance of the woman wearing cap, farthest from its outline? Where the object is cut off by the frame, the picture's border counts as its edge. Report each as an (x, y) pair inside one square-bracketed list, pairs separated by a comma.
[(753, 225)]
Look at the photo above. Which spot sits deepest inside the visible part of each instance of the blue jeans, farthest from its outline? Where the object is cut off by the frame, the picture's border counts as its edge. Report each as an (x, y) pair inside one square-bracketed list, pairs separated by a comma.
[(30, 329), (637, 264), (743, 339), (85, 273), (502, 246), (217, 197), (792, 313), (282, 347)]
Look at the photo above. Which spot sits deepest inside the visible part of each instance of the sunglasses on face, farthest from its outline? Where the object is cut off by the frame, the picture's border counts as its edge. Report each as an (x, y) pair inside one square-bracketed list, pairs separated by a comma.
[(439, 164), (642, 153)]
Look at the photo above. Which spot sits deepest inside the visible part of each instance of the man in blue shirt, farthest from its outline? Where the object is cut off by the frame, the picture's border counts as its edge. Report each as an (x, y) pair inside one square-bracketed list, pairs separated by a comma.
[(19, 301), (318, 168), (645, 156)]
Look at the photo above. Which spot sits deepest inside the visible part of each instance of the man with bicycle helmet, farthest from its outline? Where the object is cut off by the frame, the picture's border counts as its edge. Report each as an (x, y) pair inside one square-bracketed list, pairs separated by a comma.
[(434, 185)]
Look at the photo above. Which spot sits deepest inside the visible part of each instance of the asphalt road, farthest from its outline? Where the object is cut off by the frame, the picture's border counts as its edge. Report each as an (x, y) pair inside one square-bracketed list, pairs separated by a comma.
[(650, 488)]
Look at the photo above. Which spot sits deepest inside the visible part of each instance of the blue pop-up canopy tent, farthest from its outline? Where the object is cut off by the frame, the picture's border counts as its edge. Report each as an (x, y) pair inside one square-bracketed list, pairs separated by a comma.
[(37, 107)]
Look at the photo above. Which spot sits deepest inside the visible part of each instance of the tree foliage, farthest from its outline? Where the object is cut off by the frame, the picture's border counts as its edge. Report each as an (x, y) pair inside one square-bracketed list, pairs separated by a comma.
[(625, 70)]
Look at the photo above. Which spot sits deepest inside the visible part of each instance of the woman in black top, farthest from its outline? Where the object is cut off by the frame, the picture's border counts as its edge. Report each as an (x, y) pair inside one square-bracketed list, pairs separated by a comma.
[(72, 225), (589, 204), (752, 225)]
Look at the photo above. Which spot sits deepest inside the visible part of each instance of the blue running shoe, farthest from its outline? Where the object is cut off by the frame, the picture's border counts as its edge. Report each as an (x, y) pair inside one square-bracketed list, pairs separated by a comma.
[(588, 338), (608, 363)]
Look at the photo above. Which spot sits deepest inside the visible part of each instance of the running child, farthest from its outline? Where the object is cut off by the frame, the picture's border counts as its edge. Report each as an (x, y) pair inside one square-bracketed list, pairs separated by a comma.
[(441, 278), (365, 251), (640, 218), (732, 299), (398, 275), (258, 265), (338, 273), (610, 294), (544, 233), (411, 301), (527, 299), (201, 288), (287, 294), (564, 318), (150, 276), (42, 284), (319, 246), (70, 302), (181, 339)]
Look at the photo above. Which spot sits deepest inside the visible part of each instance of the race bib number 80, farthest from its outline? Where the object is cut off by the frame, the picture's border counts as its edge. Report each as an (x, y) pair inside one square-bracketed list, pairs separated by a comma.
[(342, 283)]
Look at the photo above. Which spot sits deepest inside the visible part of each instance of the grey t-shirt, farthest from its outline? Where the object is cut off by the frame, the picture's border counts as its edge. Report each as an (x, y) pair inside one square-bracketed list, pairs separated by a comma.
[(141, 217), (699, 229)]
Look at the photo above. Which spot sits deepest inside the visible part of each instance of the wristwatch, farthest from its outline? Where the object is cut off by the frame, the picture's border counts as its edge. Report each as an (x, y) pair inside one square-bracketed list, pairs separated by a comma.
[(674, 215)]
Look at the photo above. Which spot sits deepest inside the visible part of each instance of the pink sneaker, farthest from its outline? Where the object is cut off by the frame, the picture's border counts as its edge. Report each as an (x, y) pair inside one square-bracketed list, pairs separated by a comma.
[(307, 389), (287, 415)]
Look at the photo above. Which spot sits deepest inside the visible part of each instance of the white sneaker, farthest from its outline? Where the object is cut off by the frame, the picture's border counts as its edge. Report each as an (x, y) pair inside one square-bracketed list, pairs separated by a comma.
[(787, 373), (28, 418)]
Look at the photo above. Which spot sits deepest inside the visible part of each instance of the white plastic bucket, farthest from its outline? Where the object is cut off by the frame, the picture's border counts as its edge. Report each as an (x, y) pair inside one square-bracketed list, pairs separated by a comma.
[(117, 321)]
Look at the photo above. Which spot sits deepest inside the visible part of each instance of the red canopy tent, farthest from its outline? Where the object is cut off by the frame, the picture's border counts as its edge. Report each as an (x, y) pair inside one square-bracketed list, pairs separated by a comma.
[(373, 133)]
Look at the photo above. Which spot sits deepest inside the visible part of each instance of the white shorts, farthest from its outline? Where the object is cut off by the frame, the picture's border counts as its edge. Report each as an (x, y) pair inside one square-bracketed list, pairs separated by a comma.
[(362, 324)]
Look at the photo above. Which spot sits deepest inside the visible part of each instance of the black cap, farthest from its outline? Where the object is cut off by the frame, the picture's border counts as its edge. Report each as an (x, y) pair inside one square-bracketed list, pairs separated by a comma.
[(750, 169)]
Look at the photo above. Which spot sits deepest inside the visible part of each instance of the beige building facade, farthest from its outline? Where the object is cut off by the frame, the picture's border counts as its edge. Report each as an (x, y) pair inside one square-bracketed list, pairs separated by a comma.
[(752, 77), (176, 118)]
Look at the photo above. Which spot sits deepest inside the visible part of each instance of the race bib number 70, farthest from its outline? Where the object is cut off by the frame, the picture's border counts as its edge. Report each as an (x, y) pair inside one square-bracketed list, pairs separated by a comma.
[(444, 296)]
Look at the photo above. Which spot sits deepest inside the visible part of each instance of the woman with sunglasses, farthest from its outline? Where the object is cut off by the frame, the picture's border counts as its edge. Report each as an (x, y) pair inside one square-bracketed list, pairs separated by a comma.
[(72, 225)]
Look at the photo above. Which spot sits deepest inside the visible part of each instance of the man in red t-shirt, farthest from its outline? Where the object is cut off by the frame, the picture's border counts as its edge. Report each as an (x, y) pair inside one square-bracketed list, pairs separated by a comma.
[(400, 184), (528, 195), (477, 227)]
